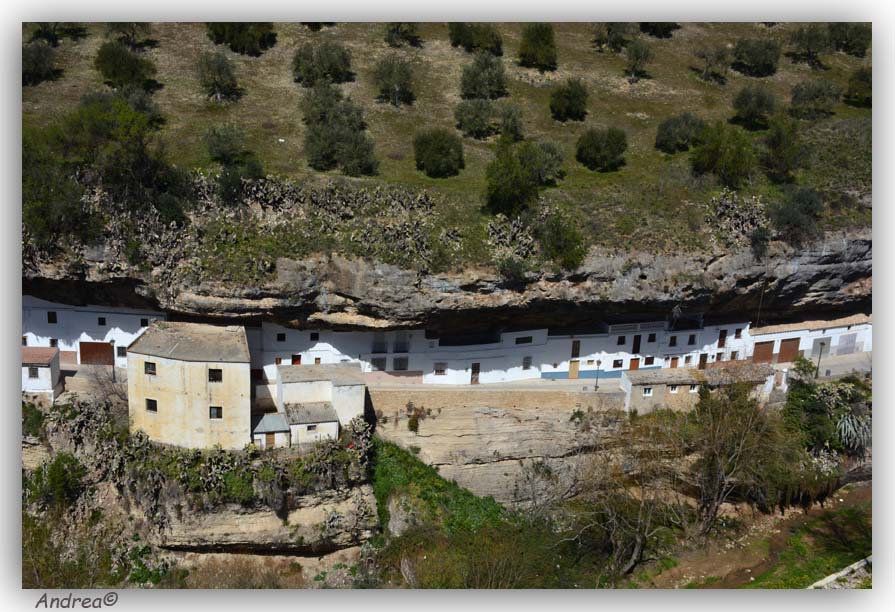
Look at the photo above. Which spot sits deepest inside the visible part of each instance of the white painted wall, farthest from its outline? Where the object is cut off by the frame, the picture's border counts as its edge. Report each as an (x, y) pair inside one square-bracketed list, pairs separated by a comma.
[(46, 381), (301, 435), (281, 440), (837, 335)]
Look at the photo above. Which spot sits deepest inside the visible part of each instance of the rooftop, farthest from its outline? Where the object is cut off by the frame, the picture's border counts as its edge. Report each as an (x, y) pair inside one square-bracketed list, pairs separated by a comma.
[(858, 319), (193, 342), (38, 355), (269, 423), (311, 412), (340, 374), (736, 372)]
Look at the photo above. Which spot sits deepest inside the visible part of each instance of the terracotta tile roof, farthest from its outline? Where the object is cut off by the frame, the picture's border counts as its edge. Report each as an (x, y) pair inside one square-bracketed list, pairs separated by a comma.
[(193, 342), (859, 319), (38, 355)]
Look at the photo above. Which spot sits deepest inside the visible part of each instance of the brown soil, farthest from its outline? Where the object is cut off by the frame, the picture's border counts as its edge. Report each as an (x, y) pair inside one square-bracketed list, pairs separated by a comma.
[(737, 561)]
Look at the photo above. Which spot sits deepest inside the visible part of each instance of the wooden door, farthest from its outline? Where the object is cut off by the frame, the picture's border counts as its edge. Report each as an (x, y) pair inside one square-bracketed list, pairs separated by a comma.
[(789, 350), (573, 368), (674, 362), (97, 353), (703, 359), (636, 348), (296, 360), (722, 338), (764, 352), (634, 364), (269, 440), (474, 379)]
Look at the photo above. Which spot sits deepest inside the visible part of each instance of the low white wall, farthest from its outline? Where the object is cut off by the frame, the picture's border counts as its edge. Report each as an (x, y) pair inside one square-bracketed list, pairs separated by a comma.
[(301, 435)]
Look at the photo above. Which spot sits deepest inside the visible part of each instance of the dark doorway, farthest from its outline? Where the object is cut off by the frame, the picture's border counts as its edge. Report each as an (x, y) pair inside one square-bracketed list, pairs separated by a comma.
[(636, 348), (703, 359), (474, 379)]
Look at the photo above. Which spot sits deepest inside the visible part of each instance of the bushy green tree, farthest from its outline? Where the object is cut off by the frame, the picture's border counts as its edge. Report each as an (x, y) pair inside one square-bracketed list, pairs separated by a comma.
[(753, 105), (785, 151), (314, 62), (38, 63), (474, 118), (860, 87), (58, 483), (121, 67), (245, 38), (438, 152), (659, 29), (485, 77), (510, 123), (715, 60), (335, 134), (612, 36), (810, 41), (814, 99), (217, 76), (795, 219), (225, 143), (638, 54), (538, 47), (509, 185), (603, 149), (542, 160), (476, 37), (756, 56), (129, 33), (561, 241), (726, 152), (851, 38), (394, 80), (679, 133), (400, 34), (569, 101), (47, 31)]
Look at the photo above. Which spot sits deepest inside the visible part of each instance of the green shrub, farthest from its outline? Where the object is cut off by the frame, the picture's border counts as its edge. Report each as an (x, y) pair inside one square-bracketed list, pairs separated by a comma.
[(121, 67), (510, 123), (413, 423), (851, 38), (245, 38), (561, 241), (474, 118), (399, 34), (795, 219), (679, 133), (785, 151), (476, 37), (394, 80), (756, 56), (38, 63), (542, 161), (59, 482), (753, 104), (32, 420), (217, 76), (612, 36), (335, 133), (509, 185), (129, 32), (538, 48), (483, 78), (810, 41), (238, 487), (313, 63), (356, 155), (726, 152), (225, 143), (638, 54), (438, 152), (860, 87), (569, 101), (47, 31), (715, 60), (602, 150), (659, 29), (814, 99)]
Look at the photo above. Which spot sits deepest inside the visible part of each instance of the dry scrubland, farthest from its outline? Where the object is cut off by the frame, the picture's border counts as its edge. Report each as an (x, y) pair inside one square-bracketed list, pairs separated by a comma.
[(651, 202)]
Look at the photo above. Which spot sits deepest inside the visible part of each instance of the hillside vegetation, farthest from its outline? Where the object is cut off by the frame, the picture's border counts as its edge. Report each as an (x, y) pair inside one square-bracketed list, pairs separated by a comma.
[(644, 198)]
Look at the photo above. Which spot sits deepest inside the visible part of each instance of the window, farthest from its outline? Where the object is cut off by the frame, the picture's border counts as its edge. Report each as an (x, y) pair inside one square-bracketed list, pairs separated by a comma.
[(121, 351), (734, 355), (281, 337), (151, 405), (54, 342), (617, 363), (719, 357), (523, 340), (672, 389), (258, 375), (672, 341), (312, 428), (688, 359), (144, 322), (620, 341), (215, 412), (440, 368), (316, 360), (215, 375), (590, 362), (32, 372), (576, 348), (101, 321), (24, 340), (649, 360), (380, 344), (691, 340), (647, 392), (738, 332), (693, 388), (51, 316), (278, 360), (526, 363), (379, 363), (149, 368), (651, 338), (399, 364), (315, 336)]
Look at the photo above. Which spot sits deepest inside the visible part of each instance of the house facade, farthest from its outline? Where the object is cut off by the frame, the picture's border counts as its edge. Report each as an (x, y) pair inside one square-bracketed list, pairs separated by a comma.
[(41, 373)]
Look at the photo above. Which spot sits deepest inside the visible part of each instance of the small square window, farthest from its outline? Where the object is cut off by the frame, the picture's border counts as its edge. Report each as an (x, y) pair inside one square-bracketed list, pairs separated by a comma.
[(215, 375), (281, 337), (101, 321), (651, 338), (54, 342), (523, 340), (278, 360), (149, 368), (378, 363), (32, 372), (672, 341), (617, 363), (51, 316), (316, 360), (738, 333), (312, 428), (399, 364), (734, 355), (649, 360), (440, 369), (215, 412), (672, 389), (647, 392), (688, 359), (121, 351), (590, 362), (526, 363), (151, 405), (24, 340), (620, 341), (315, 336), (719, 357), (144, 322), (693, 388), (691, 340)]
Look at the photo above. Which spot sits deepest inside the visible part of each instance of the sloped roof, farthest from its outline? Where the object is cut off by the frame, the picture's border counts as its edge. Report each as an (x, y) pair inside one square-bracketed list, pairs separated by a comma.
[(269, 423), (339, 374), (736, 372), (858, 319), (193, 342), (311, 412), (38, 355)]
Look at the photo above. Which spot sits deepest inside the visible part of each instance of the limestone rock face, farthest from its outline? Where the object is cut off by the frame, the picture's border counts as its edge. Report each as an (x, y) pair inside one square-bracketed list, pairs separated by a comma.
[(828, 278)]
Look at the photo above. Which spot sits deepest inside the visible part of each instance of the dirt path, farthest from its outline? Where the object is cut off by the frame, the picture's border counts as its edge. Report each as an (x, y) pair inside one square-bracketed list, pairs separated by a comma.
[(733, 563)]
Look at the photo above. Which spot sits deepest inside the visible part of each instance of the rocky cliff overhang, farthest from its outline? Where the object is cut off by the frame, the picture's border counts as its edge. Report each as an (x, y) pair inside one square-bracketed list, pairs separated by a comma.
[(828, 278)]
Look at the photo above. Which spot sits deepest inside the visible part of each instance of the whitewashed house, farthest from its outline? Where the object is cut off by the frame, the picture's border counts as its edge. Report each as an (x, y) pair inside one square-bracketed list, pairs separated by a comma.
[(41, 373), (812, 339)]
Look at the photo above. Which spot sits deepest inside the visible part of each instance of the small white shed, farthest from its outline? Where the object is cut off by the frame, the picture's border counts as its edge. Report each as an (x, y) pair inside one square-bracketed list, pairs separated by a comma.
[(312, 422), (40, 371), (270, 431)]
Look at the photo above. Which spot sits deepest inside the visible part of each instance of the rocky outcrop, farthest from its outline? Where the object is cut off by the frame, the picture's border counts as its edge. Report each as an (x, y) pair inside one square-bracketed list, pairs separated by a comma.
[(828, 278)]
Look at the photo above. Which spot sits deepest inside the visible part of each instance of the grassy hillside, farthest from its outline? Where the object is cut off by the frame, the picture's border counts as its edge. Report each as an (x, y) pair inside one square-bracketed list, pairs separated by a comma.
[(651, 202)]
